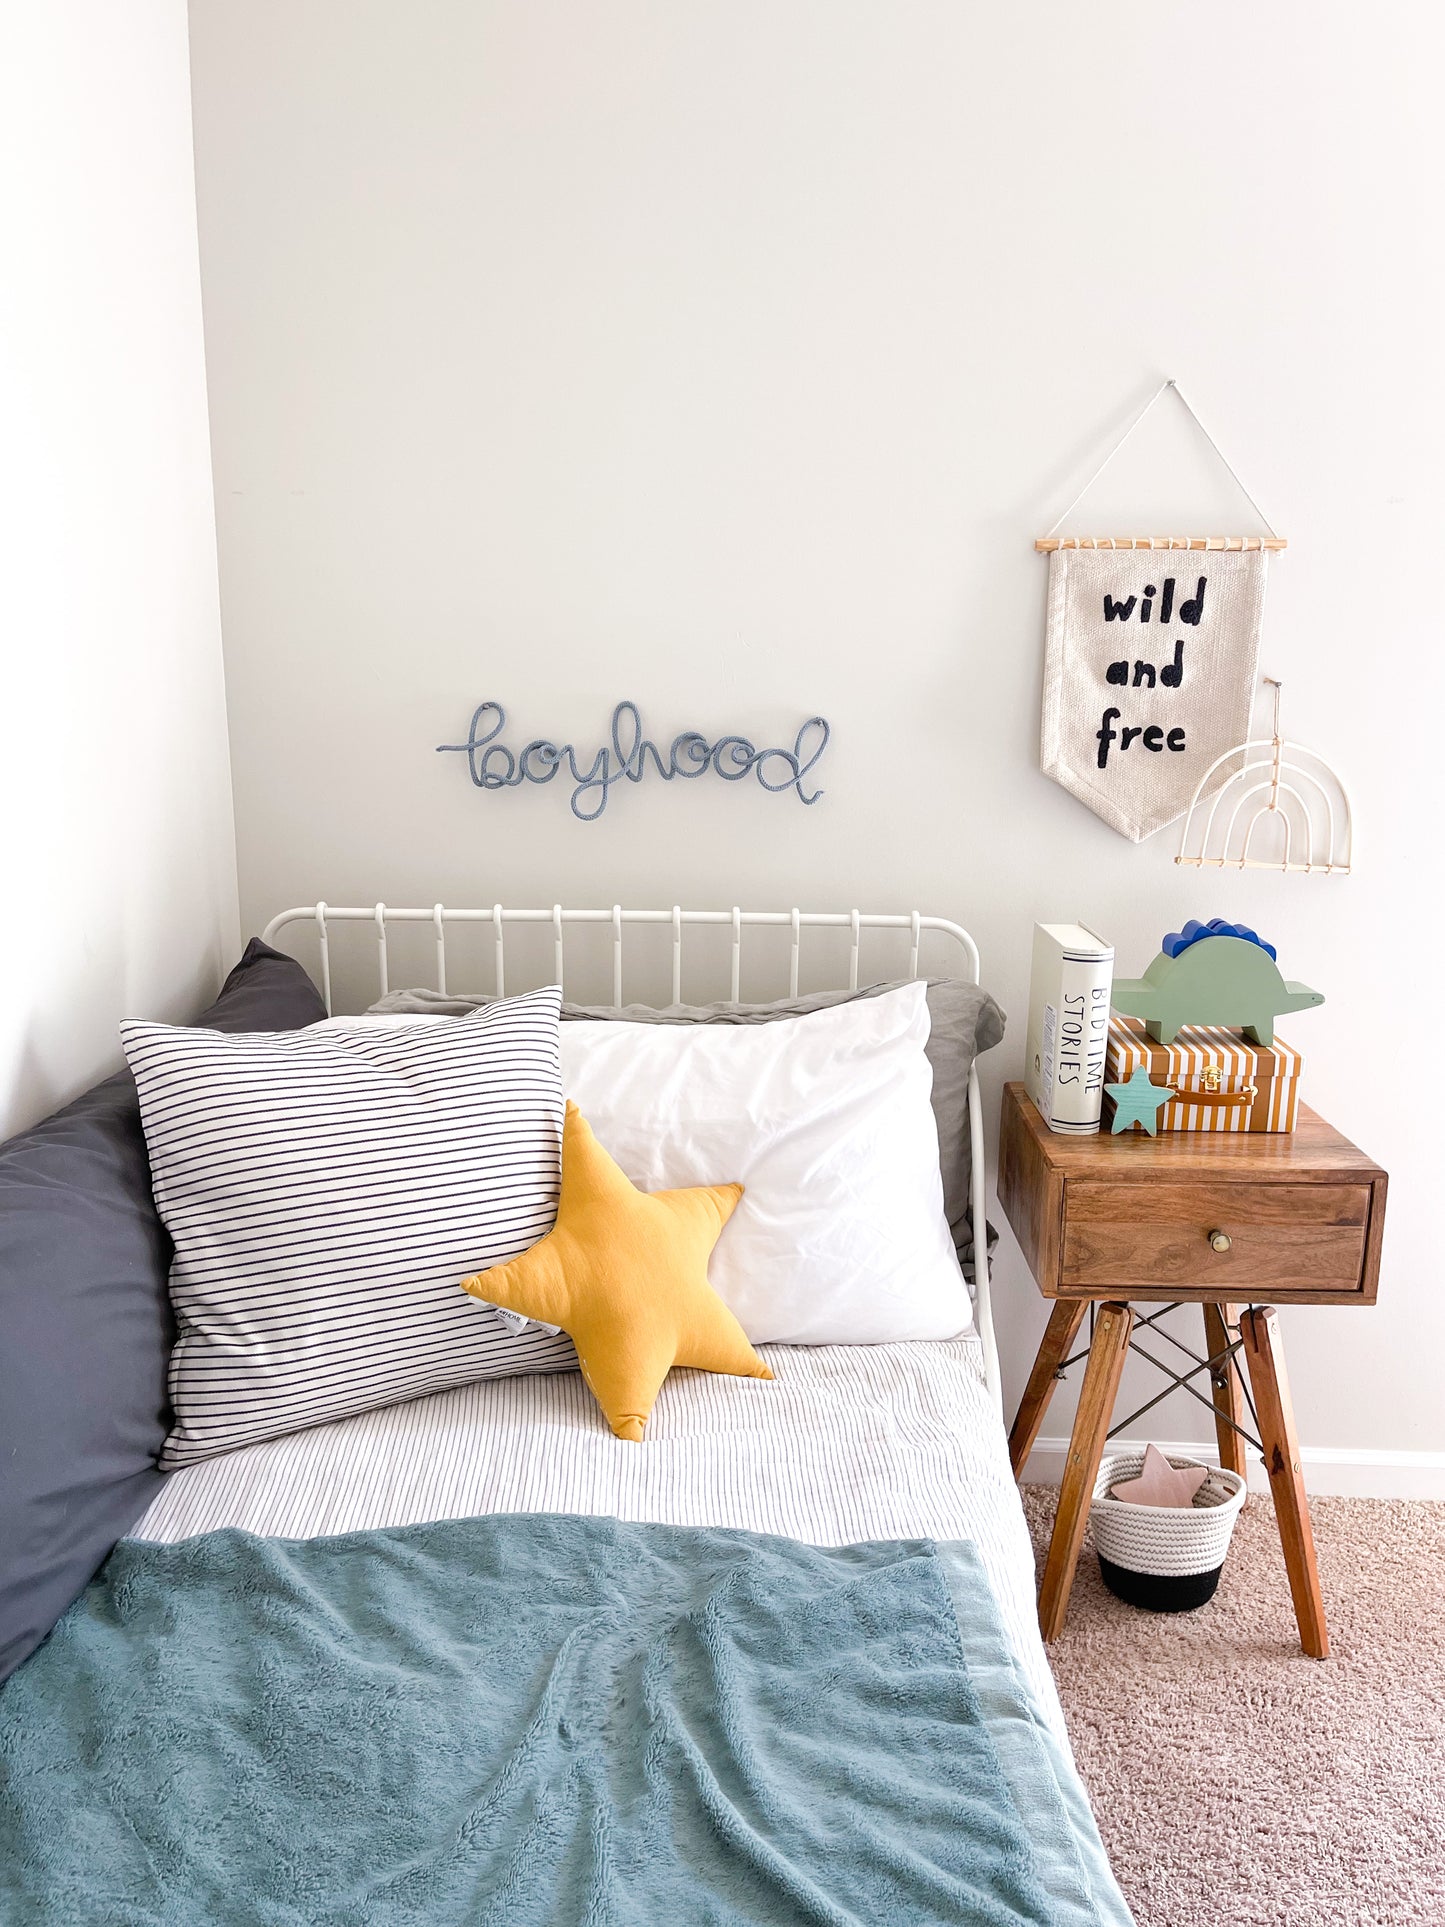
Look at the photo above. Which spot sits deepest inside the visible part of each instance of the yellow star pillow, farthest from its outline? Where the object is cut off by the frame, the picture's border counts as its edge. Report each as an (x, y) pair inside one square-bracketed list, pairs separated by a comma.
[(624, 1273)]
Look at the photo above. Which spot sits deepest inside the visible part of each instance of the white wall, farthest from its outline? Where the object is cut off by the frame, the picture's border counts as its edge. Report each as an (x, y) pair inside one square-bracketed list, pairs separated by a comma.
[(119, 854), (729, 356)]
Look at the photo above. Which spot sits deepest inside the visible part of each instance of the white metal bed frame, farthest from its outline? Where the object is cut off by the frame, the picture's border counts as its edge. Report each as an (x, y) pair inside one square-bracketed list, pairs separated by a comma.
[(321, 916)]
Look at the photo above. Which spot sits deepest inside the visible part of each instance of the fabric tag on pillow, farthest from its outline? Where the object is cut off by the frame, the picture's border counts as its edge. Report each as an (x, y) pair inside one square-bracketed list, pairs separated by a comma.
[(516, 1324)]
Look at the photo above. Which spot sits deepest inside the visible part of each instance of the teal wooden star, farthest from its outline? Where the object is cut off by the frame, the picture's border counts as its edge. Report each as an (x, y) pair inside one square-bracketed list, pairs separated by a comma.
[(1138, 1101)]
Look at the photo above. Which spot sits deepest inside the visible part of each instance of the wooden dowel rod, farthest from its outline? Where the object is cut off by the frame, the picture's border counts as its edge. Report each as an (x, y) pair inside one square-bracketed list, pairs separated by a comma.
[(1046, 544)]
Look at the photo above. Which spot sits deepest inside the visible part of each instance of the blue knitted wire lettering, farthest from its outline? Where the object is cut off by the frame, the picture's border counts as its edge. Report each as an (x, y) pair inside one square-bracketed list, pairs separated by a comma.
[(492, 766)]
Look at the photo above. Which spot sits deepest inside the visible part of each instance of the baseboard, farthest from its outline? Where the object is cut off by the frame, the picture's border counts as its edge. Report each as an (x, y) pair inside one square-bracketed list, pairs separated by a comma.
[(1352, 1473)]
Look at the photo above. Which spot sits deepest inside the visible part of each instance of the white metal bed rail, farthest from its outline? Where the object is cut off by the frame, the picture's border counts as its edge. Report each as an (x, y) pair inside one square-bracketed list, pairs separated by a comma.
[(321, 916), (380, 915)]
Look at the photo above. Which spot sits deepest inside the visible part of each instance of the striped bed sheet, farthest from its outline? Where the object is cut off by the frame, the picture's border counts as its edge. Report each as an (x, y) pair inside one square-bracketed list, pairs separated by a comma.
[(848, 1443)]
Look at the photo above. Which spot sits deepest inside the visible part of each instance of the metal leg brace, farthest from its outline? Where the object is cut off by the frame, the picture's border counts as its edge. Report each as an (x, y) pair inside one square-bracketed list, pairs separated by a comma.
[(1217, 1366)]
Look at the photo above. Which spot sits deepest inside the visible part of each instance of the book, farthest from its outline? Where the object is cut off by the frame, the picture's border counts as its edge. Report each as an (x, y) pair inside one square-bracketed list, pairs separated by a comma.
[(1068, 1035)]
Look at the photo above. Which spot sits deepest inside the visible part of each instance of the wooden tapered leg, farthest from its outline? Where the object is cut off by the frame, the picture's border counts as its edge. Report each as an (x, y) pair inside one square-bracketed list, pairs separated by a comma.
[(1228, 1387), (1065, 1318), (1112, 1326), (1264, 1355)]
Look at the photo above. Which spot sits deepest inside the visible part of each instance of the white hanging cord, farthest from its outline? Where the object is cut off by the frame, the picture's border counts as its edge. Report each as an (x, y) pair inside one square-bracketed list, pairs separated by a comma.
[(1162, 389), (1233, 474), (1053, 530)]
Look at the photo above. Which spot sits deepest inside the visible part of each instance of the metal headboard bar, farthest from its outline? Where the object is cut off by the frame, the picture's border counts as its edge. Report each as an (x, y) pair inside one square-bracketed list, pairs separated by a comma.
[(322, 915), (440, 915)]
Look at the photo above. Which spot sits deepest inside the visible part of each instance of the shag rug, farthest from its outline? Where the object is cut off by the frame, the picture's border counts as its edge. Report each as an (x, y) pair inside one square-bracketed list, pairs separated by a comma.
[(1239, 1784)]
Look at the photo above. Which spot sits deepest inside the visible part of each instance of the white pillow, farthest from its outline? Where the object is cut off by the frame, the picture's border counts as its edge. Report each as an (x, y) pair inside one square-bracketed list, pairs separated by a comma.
[(327, 1190), (840, 1238)]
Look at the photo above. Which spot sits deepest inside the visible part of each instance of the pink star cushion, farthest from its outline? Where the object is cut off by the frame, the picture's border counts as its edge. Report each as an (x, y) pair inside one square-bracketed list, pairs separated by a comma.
[(1160, 1483)]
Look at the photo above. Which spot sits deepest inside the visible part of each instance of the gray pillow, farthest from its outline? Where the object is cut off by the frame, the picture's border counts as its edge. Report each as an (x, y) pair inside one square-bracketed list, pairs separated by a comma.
[(963, 1020), (87, 1322)]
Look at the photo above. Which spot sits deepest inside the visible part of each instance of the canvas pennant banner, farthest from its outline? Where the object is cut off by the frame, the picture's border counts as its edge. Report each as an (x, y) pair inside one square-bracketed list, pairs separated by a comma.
[(1149, 675)]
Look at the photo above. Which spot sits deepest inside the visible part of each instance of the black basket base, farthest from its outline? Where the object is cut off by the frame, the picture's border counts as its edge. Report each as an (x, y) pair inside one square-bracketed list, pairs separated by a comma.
[(1160, 1592)]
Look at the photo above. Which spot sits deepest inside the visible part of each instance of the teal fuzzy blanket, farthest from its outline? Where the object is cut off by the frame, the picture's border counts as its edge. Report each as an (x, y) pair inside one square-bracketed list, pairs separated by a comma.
[(534, 1721)]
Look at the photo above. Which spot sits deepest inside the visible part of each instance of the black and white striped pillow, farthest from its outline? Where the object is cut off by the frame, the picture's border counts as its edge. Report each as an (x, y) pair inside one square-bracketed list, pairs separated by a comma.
[(327, 1190)]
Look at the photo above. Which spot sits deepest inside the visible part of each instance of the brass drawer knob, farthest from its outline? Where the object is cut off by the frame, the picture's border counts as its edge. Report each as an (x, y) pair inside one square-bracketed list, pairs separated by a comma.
[(1219, 1241)]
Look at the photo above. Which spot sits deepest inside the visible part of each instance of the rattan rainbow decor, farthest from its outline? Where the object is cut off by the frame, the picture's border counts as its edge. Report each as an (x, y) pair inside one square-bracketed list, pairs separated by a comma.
[(1164, 1558)]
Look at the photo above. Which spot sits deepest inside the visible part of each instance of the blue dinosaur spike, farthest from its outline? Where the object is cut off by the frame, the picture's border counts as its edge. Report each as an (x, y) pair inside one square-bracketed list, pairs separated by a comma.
[(1178, 941), (1249, 936)]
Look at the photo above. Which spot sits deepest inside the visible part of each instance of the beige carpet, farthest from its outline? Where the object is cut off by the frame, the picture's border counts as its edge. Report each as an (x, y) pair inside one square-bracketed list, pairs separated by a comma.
[(1239, 1784)]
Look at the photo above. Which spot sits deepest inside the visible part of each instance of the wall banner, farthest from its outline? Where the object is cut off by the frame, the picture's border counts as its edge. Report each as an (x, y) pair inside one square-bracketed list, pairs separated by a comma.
[(1150, 668)]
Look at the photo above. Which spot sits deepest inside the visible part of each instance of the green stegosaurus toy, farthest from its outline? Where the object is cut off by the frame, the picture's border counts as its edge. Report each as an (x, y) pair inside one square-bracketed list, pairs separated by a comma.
[(1215, 973)]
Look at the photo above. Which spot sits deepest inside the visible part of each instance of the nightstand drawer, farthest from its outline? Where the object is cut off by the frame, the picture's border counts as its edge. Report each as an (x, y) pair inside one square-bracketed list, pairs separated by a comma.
[(1136, 1240)]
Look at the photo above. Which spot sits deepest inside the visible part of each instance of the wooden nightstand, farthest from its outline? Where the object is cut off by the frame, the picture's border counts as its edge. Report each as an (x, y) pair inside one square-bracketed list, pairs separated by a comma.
[(1214, 1219)]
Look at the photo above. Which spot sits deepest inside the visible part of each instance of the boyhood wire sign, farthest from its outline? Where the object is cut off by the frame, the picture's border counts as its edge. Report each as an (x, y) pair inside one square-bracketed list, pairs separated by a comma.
[(630, 756), (1149, 674)]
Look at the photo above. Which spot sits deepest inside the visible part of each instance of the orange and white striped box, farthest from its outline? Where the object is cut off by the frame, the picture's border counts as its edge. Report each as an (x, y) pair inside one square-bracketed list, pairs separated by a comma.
[(1224, 1082)]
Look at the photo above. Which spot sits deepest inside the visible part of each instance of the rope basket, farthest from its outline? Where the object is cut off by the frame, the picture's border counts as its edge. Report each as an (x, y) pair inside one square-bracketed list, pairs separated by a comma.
[(1169, 1542)]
